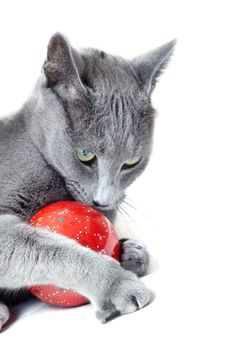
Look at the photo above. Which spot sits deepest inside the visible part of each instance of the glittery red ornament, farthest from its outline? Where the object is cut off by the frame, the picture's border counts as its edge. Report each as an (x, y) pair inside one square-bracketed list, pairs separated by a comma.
[(85, 225)]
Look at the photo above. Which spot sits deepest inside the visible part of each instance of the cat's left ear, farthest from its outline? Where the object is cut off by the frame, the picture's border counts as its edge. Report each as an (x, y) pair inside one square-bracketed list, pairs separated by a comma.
[(60, 69), (151, 65)]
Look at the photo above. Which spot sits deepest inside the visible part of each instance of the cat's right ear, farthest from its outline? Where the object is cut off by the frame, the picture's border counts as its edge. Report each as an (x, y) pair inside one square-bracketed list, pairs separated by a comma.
[(60, 69)]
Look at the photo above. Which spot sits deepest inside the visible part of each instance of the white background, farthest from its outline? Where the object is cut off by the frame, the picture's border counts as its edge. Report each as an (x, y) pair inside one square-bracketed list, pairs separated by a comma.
[(186, 192)]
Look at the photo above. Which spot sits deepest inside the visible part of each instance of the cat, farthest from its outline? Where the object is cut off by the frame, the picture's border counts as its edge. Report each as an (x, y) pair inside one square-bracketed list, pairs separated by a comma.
[(85, 134)]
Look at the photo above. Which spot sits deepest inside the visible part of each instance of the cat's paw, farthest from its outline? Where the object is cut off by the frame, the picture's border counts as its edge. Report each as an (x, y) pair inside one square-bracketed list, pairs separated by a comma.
[(134, 256), (4, 315), (127, 294)]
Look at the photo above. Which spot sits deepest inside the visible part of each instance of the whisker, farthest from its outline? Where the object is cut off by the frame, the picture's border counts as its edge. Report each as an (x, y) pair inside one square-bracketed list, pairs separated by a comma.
[(123, 212), (118, 208), (131, 206), (127, 214)]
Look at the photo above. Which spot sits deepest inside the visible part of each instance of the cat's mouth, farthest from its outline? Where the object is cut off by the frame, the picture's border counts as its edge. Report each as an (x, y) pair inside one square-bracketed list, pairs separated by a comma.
[(102, 207), (79, 194)]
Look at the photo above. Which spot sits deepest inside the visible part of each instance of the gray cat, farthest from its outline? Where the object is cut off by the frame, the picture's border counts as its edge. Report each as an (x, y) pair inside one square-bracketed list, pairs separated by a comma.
[(85, 134)]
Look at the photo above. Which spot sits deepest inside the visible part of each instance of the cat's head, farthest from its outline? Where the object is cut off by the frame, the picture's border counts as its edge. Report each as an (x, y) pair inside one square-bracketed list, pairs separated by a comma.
[(96, 118)]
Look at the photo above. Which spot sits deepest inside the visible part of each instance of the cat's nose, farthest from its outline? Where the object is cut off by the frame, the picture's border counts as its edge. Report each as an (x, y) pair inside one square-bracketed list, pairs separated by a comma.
[(98, 204)]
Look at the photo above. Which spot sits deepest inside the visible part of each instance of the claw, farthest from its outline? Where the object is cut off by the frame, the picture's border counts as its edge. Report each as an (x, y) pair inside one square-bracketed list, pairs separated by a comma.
[(112, 316), (135, 301)]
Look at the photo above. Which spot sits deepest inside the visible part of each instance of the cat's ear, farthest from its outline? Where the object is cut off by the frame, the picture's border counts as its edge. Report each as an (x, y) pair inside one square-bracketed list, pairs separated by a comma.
[(151, 65), (60, 69)]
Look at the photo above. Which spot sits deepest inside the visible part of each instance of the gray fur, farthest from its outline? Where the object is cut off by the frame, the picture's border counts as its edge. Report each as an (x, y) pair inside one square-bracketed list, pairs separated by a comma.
[(135, 257), (4, 314), (85, 99)]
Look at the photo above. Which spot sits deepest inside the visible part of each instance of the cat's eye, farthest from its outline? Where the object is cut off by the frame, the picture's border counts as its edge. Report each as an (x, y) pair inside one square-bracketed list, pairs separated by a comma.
[(131, 162), (84, 155)]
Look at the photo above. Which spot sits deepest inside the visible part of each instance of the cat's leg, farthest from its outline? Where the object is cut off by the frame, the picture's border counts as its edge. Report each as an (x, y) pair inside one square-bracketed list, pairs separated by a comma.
[(134, 256), (33, 256), (4, 314)]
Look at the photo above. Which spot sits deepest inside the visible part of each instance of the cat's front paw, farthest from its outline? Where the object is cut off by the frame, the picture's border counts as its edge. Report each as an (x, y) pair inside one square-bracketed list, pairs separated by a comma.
[(134, 256), (127, 294), (4, 315)]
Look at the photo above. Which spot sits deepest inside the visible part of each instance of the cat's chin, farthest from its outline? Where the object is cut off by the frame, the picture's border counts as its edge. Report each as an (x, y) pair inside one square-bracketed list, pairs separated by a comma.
[(103, 209)]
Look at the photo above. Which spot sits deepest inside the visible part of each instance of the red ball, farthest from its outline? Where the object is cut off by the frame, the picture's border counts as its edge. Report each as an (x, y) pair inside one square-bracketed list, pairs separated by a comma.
[(85, 225)]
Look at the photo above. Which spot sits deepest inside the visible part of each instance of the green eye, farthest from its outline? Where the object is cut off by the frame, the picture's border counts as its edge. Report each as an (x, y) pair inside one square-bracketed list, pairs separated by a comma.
[(131, 162), (84, 155)]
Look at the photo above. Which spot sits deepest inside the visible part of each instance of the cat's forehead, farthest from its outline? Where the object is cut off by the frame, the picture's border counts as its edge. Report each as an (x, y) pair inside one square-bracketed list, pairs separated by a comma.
[(120, 116), (117, 127), (103, 71), (119, 103)]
